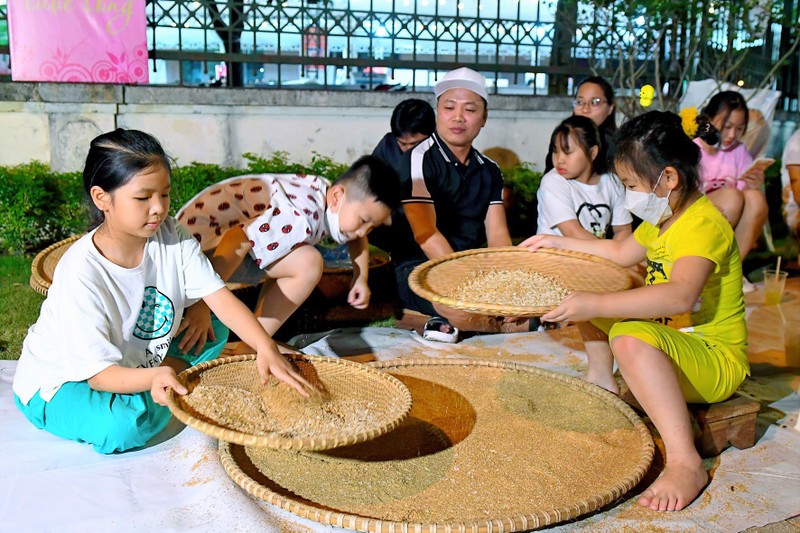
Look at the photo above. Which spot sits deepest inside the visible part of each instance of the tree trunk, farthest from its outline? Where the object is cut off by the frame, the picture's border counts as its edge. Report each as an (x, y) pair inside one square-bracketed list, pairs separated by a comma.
[(563, 37)]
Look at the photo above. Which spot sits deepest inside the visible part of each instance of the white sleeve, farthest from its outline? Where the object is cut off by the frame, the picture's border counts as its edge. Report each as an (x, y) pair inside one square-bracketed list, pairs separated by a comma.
[(72, 338), (555, 201), (791, 153), (200, 277), (616, 193)]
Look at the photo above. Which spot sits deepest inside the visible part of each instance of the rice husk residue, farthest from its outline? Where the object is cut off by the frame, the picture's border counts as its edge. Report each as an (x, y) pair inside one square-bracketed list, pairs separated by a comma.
[(480, 443), (519, 288)]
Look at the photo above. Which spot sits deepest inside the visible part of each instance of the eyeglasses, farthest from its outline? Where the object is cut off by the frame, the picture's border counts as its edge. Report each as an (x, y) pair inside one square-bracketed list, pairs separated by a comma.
[(593, 102)]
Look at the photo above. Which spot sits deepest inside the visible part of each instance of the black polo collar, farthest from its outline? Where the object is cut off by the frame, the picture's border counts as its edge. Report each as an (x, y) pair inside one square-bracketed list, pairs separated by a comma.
[(448, 155)]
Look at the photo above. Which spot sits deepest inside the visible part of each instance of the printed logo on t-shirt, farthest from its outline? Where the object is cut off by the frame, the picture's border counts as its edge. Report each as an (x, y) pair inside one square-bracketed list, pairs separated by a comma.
[(156, 316), (594, 218), (655, 270)]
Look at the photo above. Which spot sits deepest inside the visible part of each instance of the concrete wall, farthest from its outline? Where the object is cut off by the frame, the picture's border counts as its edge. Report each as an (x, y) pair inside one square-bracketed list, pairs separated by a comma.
[(54, 123)]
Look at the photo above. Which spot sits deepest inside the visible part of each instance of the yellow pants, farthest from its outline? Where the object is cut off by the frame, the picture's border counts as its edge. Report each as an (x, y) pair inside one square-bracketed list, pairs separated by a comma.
[(707, 372)]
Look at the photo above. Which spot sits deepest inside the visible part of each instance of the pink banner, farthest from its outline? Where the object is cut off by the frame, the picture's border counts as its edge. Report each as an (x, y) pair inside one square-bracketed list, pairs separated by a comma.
[(101, 41)]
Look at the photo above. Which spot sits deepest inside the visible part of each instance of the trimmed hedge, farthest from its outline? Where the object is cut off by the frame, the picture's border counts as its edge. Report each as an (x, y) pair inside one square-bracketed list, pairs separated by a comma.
[(39, 207)]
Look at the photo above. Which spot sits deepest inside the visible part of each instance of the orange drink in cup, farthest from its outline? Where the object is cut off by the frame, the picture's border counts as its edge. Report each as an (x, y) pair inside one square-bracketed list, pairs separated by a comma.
[(774, 283)]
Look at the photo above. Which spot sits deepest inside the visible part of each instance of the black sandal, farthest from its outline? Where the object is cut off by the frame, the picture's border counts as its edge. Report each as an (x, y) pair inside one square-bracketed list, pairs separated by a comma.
[(439, 329)]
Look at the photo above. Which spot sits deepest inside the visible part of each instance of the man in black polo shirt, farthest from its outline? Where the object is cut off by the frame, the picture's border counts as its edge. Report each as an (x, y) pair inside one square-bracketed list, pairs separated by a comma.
[(452, 195)]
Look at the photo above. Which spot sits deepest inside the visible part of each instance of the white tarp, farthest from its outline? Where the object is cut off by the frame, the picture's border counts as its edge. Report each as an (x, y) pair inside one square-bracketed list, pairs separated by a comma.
[(178, 484)]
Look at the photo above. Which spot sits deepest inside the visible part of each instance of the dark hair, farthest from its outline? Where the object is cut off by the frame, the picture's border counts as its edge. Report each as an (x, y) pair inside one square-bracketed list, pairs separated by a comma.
[(413, 116), (725, 103), (585, 132), (609, 125), (115, 158), (371, 176), (649, 143)]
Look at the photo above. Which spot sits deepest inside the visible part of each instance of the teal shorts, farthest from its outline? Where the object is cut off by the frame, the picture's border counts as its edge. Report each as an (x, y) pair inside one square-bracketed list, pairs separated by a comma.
[(707, 372), (111, 422)]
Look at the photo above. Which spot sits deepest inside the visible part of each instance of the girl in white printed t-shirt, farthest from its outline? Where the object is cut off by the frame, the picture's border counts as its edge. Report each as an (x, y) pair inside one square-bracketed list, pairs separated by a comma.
[(96, 365), (574, 199)]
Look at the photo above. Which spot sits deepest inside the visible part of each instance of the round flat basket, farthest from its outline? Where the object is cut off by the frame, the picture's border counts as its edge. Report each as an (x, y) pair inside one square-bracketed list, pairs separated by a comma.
[(488, 446), (227, 400), (44, 264), (513, 281)]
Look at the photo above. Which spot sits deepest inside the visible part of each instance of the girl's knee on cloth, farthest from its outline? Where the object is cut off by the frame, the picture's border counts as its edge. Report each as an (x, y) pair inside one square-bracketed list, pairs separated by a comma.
[(108, 421), (211, 349), (132, 421)]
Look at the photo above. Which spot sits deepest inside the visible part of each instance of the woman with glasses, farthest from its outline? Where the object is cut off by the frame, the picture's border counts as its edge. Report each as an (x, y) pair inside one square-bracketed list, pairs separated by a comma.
[(594, 100)]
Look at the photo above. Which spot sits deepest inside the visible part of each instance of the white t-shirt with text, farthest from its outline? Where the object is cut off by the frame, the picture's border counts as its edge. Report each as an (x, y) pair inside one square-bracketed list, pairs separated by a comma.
[(99, 314)]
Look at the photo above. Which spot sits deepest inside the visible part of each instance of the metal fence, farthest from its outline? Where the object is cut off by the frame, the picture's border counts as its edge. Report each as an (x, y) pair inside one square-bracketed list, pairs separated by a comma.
[(522, 46)]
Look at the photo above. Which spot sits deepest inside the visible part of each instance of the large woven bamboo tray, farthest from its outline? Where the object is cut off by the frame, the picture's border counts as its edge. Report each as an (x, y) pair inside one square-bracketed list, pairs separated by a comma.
[(488, 447), (227, 401), (438, 280), (44, 264), (334, 283)]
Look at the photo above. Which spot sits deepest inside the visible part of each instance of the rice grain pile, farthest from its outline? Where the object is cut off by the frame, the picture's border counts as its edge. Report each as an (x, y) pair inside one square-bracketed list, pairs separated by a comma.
[(489, 443), (279, 409), (519, 288)]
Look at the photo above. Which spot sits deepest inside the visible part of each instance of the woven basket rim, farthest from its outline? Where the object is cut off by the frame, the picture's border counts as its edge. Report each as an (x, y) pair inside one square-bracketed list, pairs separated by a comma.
[(275, 440), (415, 280), (518, 522), (40, 279)]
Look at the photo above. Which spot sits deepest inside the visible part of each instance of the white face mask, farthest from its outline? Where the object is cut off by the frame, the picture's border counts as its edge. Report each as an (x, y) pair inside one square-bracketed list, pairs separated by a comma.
[(648, 206), (332, 220)]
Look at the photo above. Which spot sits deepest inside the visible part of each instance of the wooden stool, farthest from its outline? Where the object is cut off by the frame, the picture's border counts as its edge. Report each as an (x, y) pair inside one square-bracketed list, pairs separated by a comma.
[(723, 424), (716, 426)]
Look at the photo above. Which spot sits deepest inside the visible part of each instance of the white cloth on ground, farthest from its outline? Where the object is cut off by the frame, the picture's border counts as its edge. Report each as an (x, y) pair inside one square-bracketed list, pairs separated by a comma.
[(179, 484)]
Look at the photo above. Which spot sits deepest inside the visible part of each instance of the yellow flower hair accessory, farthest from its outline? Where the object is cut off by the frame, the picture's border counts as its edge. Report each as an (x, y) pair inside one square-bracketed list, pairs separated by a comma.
[(689, 120), (646, 94)]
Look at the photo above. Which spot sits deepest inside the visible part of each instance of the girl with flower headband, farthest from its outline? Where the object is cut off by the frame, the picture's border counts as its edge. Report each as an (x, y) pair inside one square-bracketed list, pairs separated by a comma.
[(726, 175), (682, 336)]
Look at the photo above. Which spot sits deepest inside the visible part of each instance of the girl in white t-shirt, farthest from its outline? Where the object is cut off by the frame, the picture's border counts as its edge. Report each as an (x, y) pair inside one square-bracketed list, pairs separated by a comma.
[(574, 199), (96, 365)]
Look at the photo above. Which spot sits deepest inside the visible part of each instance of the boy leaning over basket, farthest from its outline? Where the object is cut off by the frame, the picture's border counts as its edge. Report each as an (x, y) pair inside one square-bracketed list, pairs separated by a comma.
[(262, 227)]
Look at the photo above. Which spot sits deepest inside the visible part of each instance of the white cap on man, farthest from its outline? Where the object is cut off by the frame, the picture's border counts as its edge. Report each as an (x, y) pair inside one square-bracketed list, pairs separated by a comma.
[(462, 78)]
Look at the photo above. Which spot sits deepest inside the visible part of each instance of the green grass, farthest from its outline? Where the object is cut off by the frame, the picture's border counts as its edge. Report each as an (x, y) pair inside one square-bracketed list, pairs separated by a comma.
[(19, 304)]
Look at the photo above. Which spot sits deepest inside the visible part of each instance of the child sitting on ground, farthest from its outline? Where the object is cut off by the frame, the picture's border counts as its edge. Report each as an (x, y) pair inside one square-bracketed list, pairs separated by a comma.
[(682, 337), (96, 365), (255, 228), (578, 198)]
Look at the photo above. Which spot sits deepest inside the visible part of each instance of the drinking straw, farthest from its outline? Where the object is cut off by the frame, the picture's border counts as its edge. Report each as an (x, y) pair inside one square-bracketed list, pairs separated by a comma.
[(778, 269), (780, 311)]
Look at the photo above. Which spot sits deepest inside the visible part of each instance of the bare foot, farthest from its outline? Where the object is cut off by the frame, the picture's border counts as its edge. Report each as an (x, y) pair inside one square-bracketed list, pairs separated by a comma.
[(676, 487), (607, 382)]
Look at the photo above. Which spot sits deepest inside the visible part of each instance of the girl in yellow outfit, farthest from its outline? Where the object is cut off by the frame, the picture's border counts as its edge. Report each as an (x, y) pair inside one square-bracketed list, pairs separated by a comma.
[(684, 336)]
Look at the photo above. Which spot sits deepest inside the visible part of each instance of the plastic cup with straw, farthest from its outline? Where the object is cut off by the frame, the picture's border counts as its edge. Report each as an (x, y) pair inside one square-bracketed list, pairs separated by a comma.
[(774, 282)]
